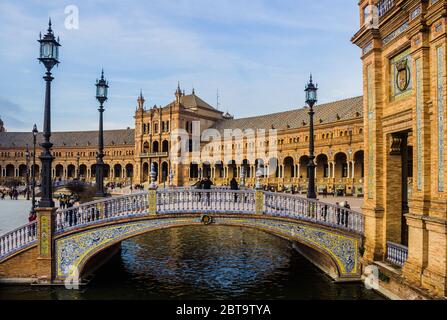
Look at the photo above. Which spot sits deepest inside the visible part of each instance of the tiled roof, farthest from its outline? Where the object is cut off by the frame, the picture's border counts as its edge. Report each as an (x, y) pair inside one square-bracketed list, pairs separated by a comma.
[(298, 118), (194, 101), (69, 139)]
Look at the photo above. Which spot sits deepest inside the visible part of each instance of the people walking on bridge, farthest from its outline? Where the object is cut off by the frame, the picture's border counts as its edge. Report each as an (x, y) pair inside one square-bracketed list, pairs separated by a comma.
[(206, 185), (234, 186)]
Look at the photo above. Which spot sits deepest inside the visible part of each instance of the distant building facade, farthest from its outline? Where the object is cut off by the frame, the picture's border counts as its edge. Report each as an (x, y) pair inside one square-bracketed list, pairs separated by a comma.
[(130, 152)]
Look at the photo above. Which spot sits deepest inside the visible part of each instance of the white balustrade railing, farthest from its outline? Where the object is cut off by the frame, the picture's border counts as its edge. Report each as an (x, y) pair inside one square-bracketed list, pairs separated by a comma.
[(294, 207), (205, 201), (396, 253), (17, 239), (193, 201), (102, 210)]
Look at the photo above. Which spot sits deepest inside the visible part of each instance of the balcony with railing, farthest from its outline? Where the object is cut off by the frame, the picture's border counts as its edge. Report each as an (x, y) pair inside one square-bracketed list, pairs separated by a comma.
[(396, 254), (154, 155)]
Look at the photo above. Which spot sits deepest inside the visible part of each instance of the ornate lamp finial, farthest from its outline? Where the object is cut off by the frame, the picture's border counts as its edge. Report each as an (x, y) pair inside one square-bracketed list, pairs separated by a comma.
[(49, 26)]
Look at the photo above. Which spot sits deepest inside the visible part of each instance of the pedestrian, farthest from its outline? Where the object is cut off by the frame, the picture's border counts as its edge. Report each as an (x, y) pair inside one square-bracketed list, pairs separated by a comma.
[(206, 185), (234, 186), (325, 192)]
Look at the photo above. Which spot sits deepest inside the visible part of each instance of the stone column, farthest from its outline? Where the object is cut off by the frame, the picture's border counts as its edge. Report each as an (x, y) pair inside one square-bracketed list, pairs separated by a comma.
[(434, 277), (45, 246), (418, 249)]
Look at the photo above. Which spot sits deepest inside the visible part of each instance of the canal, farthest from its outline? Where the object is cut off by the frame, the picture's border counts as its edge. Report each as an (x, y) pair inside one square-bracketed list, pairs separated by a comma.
[(214, 262)]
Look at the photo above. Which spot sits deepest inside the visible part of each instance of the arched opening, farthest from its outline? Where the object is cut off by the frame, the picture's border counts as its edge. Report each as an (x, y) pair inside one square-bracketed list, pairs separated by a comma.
[(22, 170), (193, 171), (273, 167), (359, 169), (289, 167), (71, 171), (117, 171), (219, 169), (164, 172), (93, 170), (35, 171), (155, 147), (155, 169), (206, 170), (165, 146), (246, 166), (106, 171), (83, 171), (232, 169), (145, 172), (341, 165), (322, 168), (129, 170), (146, 147), (304, 161), (59, 174)]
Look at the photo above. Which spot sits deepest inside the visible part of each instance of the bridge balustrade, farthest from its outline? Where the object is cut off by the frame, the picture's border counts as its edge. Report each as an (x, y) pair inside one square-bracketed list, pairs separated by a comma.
[(291, 206), (17, 239), (101, 211), (205, 201)]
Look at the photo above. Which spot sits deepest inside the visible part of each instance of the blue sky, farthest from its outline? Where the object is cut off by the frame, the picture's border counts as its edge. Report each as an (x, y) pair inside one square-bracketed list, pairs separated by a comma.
[(259, 53)]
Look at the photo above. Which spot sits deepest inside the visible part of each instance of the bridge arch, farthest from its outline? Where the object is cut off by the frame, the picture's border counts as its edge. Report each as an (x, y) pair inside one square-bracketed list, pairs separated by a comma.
[(76, 251)]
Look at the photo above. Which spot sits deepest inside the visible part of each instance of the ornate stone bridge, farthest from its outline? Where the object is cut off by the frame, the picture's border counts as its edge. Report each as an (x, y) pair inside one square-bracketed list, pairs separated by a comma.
[(72, 242)]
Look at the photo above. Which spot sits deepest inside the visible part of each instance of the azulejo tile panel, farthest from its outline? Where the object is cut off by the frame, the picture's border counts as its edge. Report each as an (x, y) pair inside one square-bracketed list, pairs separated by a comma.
[(343, 249), (72, 251)]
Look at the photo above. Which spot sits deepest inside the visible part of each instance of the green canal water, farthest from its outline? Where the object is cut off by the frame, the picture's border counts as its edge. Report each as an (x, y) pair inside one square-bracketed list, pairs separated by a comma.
[(203, 263)]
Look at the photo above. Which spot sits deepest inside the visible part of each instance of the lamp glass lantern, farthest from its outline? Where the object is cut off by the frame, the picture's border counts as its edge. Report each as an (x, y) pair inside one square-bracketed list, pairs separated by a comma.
[(49, 49), (102, 89), (311, 93)]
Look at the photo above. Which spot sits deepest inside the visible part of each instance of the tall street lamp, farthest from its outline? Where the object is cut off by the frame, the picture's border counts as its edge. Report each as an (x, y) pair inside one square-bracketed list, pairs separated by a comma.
[(27, 157), (33, 193), (311, 100), (78, 170), (102, 88), (49, 56)]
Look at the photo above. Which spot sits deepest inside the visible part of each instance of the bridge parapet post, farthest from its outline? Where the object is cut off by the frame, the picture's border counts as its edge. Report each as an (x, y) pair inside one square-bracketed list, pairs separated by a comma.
[(152, 194), (259, 193), (45, 232)]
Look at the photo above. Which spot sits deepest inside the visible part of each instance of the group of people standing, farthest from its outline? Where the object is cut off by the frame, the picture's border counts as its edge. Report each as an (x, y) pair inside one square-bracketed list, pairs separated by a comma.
[(13, 194), (67, 201)]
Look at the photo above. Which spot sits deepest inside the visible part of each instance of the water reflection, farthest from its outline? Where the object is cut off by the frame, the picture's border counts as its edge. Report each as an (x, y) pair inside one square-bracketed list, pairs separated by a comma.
[(203, 263)]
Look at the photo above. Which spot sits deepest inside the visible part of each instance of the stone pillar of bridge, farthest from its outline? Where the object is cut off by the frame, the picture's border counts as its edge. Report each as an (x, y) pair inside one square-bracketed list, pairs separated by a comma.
[(45, 232), (152, 193)]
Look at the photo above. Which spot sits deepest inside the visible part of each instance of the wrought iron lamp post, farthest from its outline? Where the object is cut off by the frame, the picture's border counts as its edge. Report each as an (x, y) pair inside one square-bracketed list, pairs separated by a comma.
[(49, 56), (102, 88), (33, 192), (27, 157), (311, 100), (78, 169)]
